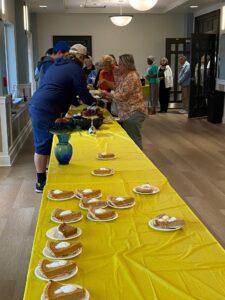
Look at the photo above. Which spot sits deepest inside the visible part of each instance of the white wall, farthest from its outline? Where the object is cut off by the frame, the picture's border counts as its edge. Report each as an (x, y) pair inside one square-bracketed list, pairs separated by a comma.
[(144, 36)]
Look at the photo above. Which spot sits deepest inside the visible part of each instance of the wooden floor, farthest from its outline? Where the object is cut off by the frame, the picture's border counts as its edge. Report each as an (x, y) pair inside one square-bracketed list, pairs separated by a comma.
[(191, 154)]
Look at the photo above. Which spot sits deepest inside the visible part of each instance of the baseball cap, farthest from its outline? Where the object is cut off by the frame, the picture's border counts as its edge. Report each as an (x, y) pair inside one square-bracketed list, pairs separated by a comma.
[(61, 46), (78, 49)]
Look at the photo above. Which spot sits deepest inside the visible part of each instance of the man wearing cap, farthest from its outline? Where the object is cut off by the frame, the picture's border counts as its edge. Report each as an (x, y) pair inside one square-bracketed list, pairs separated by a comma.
[(59, 50), (63, 81)]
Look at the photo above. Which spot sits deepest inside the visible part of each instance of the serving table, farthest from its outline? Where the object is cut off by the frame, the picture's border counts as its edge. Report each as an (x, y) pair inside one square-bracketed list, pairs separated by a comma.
[(125, 259)]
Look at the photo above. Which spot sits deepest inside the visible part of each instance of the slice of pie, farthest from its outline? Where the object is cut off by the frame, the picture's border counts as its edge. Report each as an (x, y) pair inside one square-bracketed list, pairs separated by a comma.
[(101, 213), (60, 194), (57, 291), (106, 155), (165, 221), (121, 201), (145, 188), (52, 269), (92, 202), (103, 171), (61, 249), (66, 230), (66, 215), (88, 193)]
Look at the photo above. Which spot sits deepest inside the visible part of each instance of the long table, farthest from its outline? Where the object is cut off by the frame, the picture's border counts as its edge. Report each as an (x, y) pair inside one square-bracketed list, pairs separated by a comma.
[(126, 259)]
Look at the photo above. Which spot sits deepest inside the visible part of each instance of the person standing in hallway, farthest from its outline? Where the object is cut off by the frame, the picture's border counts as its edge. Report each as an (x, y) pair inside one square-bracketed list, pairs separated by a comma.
[(165, 76), (184, 80), (63, 81), (152, 74)]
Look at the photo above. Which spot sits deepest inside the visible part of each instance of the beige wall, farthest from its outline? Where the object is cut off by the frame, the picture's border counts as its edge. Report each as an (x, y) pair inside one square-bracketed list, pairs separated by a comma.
[(144, 36)]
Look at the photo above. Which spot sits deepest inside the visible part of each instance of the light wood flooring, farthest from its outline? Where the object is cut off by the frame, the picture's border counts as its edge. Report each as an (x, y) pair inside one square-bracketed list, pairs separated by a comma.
[(191, 154)]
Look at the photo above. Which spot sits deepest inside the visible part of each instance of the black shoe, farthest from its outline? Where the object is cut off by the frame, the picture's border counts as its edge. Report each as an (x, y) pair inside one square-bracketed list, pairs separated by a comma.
[(39, 187)]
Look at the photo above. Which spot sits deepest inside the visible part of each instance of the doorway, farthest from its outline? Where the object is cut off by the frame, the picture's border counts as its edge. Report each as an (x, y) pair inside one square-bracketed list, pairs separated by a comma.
[(174, 48)]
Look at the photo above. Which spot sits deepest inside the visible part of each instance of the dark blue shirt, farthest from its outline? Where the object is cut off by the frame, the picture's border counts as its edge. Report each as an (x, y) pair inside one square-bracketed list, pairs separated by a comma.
[(63, 81)]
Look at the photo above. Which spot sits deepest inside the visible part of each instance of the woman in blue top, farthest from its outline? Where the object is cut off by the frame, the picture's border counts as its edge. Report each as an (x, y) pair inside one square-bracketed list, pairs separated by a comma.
[(152, 74), (63, 81)]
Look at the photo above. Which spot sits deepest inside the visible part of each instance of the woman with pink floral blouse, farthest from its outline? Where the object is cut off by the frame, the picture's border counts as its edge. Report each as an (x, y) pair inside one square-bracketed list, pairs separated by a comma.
[(129, 98)]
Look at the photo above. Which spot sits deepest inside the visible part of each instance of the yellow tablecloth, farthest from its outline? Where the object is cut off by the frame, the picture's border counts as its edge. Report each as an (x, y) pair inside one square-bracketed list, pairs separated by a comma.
[(125, 259)]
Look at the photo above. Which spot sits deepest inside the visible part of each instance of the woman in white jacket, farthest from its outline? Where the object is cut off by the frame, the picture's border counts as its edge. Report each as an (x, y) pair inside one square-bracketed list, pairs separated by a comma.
[(165, 76)]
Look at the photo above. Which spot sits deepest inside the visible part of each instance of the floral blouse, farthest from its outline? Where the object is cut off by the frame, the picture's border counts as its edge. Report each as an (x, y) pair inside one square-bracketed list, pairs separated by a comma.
[(128, 95)]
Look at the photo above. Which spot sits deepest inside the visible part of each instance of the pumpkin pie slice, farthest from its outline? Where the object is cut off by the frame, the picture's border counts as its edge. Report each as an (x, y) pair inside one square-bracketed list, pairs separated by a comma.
[(145, 188), (121, 201), (57, 291), (88, 193), (60, 194), (101, 213), (61, 249), (104, 155), (66, 230), (66, 215), (102, 171), (165, 221), (52, 269), (93, 202)]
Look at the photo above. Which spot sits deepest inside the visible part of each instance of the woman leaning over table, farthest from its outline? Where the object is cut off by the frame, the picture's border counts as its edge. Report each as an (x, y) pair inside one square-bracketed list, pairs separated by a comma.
[(62, 82), (129, 99), (165, 76)]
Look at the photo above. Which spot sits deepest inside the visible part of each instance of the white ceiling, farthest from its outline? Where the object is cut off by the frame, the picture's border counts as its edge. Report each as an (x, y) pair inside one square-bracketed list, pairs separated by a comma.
[(113, 6)]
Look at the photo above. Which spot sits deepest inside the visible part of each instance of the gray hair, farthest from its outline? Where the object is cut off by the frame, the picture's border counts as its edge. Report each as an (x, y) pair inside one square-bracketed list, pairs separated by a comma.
[(128, 61), (152, 58)]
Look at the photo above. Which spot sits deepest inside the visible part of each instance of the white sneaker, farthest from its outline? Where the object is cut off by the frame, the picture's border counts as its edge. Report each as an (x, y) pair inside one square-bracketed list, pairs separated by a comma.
[(182, 111)]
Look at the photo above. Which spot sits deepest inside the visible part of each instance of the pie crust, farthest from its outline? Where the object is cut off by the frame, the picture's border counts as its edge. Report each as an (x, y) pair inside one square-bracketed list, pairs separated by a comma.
[(88, 193), (106, 155), (165, 221), (103, 171), (92, 202), (145, 188)]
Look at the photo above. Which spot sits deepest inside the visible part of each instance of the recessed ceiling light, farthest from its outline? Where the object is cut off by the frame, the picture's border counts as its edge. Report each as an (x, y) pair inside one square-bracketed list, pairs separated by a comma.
[(43, 6), (193, 6)]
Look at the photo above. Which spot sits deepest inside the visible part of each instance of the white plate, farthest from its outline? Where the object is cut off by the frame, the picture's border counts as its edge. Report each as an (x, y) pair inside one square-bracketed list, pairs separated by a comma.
[(108, 220), (53, 234), (103, 175), (79, 197), (81, 206), (107, 158), (86, 297), (67, 222), (155, 191), (48, 254), (120, 207), (151, 224), (61, 199), (39, 275)]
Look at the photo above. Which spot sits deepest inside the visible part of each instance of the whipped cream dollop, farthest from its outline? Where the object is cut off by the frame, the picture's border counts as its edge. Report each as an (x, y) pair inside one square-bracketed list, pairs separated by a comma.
[(145, 186), (65, 289), (104, 169), (62, 245), (57, 192), (86, 191), (65, 212), (103, 153), (99, 211), (167, 219), (119, 198), (92, 200), (56, 264)]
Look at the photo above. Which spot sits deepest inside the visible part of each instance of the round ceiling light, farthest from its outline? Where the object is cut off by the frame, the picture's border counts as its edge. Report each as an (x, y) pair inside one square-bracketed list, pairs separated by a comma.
[(121, 20), (142, 5)]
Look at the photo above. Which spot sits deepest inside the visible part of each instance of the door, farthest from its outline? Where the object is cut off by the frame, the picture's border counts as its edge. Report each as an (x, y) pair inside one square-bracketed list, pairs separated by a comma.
[(203, 73), (174, 48)]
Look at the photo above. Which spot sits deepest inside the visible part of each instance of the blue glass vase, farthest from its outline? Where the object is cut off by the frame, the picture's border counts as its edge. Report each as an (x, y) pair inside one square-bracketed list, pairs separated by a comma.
[(63, 150)]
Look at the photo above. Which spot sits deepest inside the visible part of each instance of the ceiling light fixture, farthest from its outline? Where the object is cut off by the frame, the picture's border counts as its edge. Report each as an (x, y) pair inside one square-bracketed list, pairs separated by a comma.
[(193, 6), (121, 20), (43, 6), (3, 6), (143, 5), (25, 17)]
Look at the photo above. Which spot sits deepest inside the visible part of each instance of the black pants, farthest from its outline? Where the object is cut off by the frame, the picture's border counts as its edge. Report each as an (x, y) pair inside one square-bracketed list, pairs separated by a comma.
[(164, 96)]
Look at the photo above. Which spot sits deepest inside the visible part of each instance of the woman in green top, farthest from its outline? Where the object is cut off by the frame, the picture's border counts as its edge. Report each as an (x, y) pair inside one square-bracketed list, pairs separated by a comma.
[(152, 79)]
